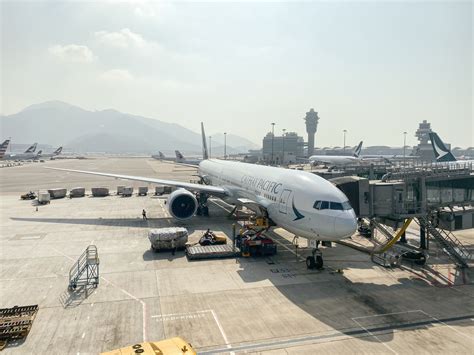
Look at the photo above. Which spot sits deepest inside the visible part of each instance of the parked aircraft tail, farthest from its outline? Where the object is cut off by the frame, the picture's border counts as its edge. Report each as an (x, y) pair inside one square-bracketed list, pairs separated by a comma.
[(32, 148), (3, 148), (58, 151), (205, 154), (358, 150), (179, 156), (161, 155), (442, 153), (39, 153)]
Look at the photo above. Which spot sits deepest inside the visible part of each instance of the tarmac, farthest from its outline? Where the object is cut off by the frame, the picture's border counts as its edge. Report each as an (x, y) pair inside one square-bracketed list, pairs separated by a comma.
[(271, 305)]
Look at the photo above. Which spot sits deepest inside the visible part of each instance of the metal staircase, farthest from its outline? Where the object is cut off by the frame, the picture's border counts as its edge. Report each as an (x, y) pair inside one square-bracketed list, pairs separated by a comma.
[(448, 242), (85, 271)]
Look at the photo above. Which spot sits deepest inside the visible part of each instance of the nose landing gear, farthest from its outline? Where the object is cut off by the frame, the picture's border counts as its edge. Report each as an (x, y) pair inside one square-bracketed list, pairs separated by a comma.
[(316, 260)]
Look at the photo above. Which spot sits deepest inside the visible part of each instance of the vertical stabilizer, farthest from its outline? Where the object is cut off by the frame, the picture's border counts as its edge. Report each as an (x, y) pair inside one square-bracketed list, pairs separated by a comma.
[(358, 150), (58, 151), (205, 154), (162, 156), (31, 149), (442, 153), (3, 148), (179, 156)]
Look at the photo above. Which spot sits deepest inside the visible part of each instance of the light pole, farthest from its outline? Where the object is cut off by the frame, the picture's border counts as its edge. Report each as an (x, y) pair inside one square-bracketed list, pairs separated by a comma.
[(273, 136), (283, 158), (225, 145), (210, 146), (404, 148), (345, 131)]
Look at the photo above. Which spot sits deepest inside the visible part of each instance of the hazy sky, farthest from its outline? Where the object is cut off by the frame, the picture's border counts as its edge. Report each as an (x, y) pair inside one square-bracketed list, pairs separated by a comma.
[(373, 68)]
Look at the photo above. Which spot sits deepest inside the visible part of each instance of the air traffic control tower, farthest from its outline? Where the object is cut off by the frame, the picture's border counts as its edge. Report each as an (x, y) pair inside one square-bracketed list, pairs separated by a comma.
[(311, 127)]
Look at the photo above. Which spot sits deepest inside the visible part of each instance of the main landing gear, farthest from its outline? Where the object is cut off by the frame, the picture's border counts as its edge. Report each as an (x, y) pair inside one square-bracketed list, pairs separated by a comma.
[(316, 260)]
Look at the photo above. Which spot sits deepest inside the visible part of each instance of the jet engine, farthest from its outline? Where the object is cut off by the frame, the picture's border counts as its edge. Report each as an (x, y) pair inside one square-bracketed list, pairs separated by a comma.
[(182, 204)]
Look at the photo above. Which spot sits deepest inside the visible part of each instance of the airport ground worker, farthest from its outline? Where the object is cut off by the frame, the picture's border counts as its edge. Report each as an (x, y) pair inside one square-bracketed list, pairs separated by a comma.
[(144, 215), (173, 246)]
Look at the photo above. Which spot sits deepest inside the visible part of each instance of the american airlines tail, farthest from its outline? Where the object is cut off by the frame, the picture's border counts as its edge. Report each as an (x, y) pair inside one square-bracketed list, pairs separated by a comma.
[(205, 154), (442, 153), (32, 148), (179, 156), (358, 150), (3, 148)]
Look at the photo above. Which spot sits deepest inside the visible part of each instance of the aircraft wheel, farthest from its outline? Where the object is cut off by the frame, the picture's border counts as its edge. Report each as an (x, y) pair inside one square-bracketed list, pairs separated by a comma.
[(310, 262), (319, 262)]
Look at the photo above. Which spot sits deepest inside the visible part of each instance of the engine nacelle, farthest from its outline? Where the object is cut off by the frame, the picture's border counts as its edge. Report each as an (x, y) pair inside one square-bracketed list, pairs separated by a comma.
[(182, 204)]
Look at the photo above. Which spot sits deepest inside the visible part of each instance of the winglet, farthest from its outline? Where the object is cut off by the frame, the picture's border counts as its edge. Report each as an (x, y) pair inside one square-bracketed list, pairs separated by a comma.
[(205, 154), (442, 153), (358, 150)]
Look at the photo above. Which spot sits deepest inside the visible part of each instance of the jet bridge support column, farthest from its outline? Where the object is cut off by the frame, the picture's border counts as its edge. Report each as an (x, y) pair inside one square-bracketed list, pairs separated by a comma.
[(423, 238)]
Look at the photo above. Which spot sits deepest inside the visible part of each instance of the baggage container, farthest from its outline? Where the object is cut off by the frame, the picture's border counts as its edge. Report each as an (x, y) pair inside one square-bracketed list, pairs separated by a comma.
[(127, 191), (159, 190), (142, 191), (77, 192), (57, 193), (44, 197), (120, 190), (100, 191), (161, 238)]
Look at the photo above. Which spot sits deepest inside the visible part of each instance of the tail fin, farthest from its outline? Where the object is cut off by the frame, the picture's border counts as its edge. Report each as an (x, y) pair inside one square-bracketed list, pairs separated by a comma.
[(179, 156), (358, 150), (39, 153), (58, 151), (3, 148), (162, 156), (442, 153), (205, 154), (32, 148)]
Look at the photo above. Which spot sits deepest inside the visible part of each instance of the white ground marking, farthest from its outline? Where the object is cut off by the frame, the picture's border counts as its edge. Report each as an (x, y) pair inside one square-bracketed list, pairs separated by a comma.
[(372, 334), (447, 325), (177, 316), (389, 314), (144, 329)]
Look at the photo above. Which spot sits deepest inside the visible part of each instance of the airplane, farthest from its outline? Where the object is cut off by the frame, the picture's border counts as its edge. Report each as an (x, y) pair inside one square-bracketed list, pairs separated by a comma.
[(27, 155), (300, 202), (3, 148), (181, 159), (338, 160), (443, 154), (51, 155), (161, 156)]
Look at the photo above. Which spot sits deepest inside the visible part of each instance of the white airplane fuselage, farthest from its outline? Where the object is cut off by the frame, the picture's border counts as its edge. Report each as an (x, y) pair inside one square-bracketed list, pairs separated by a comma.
[(335, 160), (289, 196)]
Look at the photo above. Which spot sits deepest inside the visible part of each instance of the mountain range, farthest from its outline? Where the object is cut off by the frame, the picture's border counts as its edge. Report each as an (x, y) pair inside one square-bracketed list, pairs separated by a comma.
[(109, 131)]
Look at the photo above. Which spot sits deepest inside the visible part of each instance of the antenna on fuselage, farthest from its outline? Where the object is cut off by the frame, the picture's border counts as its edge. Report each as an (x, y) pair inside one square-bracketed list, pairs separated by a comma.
[(205, 154)]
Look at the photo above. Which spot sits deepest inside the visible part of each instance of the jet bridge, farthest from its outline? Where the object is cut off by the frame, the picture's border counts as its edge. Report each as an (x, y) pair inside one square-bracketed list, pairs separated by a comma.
[(418, 195)]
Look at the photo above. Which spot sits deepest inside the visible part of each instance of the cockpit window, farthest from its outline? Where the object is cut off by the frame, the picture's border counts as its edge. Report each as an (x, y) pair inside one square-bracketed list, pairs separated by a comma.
[(346, 205), (336, 206)]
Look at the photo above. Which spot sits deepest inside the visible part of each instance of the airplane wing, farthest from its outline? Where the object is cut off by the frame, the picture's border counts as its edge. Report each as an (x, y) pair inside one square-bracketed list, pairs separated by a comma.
[(213, 190)]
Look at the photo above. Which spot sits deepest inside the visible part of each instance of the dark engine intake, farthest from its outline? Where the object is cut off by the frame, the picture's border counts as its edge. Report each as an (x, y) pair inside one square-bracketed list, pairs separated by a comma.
[(182, 204)]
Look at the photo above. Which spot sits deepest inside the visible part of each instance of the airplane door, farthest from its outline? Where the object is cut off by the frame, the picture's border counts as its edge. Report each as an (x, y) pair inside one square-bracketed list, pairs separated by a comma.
[(284, 200)]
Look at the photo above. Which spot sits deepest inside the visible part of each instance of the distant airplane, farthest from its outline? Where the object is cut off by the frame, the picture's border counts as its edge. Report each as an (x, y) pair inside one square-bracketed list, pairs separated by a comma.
[(51, 155), (338, 160), (182, 160), (443, 154), (161, 156), (27, 155), (304, 204)]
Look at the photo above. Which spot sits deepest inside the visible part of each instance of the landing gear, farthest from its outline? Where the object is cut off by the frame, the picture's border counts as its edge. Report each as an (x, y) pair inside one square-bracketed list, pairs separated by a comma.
[(316, 260)]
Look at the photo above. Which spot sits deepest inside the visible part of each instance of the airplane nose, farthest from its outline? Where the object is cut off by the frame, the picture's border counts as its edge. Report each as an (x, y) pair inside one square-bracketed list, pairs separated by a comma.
[(345, 226)]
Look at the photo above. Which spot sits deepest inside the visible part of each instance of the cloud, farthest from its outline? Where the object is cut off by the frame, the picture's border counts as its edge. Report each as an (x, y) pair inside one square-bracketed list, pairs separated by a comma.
[(72, 53), (124, 38), (116, 75)]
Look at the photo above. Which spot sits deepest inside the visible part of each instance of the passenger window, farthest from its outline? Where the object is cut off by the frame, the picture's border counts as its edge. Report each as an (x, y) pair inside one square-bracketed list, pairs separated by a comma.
[(317, 205), (324, 205), (336, 206)]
